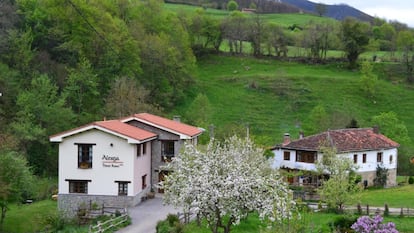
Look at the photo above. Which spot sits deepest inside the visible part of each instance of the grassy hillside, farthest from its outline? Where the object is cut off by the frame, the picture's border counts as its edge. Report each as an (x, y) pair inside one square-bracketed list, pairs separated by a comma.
[(274, 97), (282, 19)]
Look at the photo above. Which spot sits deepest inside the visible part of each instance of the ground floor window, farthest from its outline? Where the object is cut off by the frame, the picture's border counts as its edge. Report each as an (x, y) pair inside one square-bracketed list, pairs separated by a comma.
[(78, 186), (144, 181), (123, 187)]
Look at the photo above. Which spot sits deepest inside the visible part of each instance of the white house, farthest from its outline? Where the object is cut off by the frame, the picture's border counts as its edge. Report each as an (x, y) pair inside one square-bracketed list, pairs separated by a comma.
[(366, 147), (114, 162)]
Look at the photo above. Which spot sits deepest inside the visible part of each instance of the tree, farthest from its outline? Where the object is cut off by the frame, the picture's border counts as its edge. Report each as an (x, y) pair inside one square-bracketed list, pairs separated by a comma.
[(42, 112), (15, 180), (225, 183), (199, 111), (317, 121), (355, 37), (405, 42), (368, 80), (127, 97), (317, 38), (232, 5), (320, 9), (341, 187), (392, 127), (277, 39), (82, 91)]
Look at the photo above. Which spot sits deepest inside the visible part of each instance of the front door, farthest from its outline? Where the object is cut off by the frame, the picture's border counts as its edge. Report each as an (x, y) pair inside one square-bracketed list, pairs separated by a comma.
[(161, 177)]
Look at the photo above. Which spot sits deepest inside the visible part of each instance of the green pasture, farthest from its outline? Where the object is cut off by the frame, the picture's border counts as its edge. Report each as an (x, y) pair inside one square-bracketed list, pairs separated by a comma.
[(275, 96), (285, 20)]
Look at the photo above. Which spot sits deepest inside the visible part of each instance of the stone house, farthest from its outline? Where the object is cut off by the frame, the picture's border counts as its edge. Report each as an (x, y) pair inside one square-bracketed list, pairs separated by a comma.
[(366, 147)]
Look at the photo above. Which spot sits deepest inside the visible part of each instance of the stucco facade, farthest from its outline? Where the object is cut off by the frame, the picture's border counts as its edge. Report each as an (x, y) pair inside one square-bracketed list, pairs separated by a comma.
[(117, 162), (365, 147)]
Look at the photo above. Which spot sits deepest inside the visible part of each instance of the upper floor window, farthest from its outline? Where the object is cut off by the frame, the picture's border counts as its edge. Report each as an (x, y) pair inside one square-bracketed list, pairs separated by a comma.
[(306, 156), (85, 155), (138, 150), (286, 155), (78, 186), (364, 158), (144, 148), (379, 157), (391, 159), (355, 158), (167, 151)]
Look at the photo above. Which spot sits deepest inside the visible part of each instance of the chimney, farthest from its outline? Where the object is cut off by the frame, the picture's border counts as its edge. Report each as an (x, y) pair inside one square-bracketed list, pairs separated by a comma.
[(286, 139), (301, 135), (177, 118), (375, 129)]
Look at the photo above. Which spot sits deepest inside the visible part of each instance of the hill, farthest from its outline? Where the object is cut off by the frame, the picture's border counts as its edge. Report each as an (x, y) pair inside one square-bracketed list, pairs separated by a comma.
[(338, 12), (273, 97)]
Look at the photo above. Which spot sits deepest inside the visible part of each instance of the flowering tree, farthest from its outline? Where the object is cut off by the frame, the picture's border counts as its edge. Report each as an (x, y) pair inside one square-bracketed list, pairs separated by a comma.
[(365, 224), (226, 182)]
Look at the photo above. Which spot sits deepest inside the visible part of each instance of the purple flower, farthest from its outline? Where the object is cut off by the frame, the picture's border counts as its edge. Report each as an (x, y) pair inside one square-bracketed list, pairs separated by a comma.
[(365, 224)]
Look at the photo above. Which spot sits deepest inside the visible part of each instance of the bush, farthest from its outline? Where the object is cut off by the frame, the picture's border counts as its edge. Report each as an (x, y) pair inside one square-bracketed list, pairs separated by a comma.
[(172, 224), (411, 180), (343, 223)]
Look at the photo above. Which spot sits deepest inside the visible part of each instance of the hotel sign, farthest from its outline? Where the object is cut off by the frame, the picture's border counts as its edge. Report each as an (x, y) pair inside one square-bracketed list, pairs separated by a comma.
[(111, 161)]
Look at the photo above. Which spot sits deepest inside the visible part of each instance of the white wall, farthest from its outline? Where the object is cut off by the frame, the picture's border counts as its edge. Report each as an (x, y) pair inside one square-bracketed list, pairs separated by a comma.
[(370, 165), (102, 178)]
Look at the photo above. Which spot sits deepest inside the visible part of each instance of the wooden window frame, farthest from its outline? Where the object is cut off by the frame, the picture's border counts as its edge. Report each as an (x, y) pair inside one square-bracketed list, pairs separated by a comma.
[(78, 186), (364, 158), (122, 187), (380, 156), (286, 155), (85, 155)]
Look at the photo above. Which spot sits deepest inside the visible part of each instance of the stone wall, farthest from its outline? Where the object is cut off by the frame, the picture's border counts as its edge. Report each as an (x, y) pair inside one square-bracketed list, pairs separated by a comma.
[(69, 204), (370, 176)]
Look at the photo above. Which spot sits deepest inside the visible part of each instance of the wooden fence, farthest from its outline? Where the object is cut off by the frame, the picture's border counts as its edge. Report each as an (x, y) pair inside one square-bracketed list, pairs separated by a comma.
[(108, 224)]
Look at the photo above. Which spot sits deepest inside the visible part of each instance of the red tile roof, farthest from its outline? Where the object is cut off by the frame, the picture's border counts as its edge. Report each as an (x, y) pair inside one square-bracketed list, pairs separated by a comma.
[(167, 124), (113, 126), (126, 130), (344, 140)]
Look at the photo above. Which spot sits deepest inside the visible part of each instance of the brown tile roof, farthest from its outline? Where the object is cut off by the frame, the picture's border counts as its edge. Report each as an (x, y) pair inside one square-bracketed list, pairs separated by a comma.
[(112, 126), (344, 140), (167, 124)]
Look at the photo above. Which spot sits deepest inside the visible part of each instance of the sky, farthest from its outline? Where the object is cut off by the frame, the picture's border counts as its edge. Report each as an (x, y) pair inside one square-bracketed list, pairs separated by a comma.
[(400, 10)]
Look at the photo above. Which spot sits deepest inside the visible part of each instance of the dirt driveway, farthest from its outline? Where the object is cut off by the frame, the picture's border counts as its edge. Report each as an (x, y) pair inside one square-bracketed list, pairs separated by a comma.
[(145, 215)]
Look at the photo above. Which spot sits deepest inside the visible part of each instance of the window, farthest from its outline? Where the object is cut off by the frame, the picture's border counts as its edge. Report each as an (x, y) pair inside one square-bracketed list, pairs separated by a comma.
[(306, 156), (355, 158), (286, 155), (122, 187), (364, 158), (78, 186), (379, 157), (144, 181), (144, 148), (138, 150), (391, 158), (167, 151), (85, 156)]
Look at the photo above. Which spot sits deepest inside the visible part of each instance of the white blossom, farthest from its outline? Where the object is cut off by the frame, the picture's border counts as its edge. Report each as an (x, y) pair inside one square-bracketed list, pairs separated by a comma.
[(229, 179)]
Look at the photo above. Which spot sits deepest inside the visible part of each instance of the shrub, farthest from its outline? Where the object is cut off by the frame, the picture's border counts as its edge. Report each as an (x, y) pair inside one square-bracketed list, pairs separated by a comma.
[(365, 224), (171, 224), (411, 180), (343, 223)]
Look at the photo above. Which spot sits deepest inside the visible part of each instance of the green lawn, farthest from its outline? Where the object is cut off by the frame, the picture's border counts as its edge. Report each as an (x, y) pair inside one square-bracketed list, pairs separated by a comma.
[(29, 217), (397, 197)]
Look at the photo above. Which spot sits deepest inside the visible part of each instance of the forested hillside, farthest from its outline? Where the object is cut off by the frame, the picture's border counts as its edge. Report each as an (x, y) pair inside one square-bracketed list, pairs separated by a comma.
[(64, 63)]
